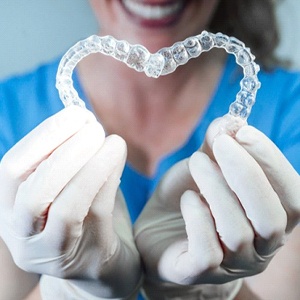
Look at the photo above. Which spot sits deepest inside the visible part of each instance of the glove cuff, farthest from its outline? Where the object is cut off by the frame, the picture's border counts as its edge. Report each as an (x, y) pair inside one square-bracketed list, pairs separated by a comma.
[(63, 289), (226, 291)]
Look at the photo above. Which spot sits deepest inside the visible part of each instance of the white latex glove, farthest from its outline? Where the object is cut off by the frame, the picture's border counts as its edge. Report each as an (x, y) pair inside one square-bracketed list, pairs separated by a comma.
[(58, 214), (211, 222)]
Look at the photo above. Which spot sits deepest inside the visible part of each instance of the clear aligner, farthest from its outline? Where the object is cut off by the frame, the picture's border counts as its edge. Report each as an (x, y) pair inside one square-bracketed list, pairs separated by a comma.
[(163, 62)]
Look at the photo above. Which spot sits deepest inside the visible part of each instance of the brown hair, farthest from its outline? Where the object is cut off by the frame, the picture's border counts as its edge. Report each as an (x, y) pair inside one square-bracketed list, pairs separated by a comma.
[(251, 21)]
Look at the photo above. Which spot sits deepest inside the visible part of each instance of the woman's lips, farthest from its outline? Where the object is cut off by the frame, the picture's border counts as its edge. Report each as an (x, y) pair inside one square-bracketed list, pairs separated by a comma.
[(154, 13)]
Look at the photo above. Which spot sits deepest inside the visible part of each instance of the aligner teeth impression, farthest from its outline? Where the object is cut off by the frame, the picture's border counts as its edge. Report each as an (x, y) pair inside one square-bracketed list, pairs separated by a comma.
[(163, 62)]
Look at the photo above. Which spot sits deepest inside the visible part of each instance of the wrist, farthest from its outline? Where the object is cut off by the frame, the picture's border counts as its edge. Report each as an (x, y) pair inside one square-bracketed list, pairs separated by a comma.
[(246, 293), (57, 288), (166, 290)]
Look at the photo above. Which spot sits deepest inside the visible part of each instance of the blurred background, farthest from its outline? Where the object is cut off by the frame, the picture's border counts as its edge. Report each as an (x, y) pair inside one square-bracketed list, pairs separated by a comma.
[(35, 31)]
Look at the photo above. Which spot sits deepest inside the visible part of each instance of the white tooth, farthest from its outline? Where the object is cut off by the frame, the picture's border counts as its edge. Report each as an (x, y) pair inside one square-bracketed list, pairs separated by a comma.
[(153, 12)]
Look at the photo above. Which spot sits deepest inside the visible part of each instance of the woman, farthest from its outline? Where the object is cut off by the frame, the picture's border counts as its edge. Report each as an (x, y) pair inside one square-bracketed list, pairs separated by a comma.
[(62, 214)]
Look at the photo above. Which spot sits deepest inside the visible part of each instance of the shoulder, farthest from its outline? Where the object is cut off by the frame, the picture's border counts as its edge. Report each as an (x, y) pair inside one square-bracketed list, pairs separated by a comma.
[(25, 101), (279, 92), (43, 77), (283, 81), (278, 97), (276, 111), (277, 107)]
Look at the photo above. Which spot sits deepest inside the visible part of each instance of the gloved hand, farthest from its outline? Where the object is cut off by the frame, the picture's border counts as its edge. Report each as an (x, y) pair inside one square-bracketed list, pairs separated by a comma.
[(220, 215), (61, 213)]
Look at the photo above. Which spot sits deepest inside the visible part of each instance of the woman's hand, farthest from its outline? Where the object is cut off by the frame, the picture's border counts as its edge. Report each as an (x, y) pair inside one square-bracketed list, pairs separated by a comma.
[(219, 217), (61, 211)]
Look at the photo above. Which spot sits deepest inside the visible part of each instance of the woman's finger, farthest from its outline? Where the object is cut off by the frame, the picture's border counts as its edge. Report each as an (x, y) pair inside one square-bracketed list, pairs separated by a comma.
[(51, 176), (248, 181), (282, 176), (90, 196), (20, 161), (232, 225), (187, 259)]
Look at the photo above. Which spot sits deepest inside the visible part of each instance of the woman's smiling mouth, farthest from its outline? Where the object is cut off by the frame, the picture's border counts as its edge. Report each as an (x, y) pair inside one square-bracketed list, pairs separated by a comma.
[(154, 13)]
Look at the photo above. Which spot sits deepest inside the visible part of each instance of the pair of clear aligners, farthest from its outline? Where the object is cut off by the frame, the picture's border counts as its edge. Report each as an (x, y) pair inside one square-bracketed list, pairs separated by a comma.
[(164, 62)]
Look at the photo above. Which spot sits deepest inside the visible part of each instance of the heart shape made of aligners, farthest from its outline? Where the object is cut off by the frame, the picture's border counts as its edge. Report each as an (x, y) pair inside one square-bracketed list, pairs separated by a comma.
[(163, 62)]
